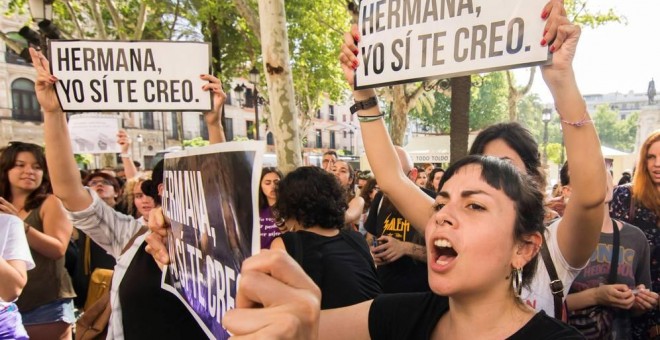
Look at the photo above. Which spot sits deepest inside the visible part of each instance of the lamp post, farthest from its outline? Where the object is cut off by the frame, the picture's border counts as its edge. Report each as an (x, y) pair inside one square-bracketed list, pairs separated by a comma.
[(254, 79), (42, 13), (546, 116), (239, 94)]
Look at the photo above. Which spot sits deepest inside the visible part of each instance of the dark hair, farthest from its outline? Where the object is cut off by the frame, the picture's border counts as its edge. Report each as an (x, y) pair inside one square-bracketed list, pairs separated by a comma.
[(8, 157), (519, 139), (150, 186), (564, 177), (366, 191), (311, 196), (352, 179), (523, 191), (113, 180), (263, 201), (429, 180), (332, 153)]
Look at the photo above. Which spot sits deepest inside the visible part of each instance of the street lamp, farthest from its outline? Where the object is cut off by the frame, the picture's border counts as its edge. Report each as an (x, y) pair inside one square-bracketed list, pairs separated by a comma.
[(42, 13), (254, 79), (239, 94), (546, 116)]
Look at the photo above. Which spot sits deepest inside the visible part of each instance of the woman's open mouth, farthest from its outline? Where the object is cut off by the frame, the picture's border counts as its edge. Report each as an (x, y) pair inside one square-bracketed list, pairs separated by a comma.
[(445, 252)]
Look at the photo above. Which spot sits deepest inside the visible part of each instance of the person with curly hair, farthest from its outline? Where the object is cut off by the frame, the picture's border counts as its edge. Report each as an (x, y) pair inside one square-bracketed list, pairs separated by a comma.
[(311, 206)]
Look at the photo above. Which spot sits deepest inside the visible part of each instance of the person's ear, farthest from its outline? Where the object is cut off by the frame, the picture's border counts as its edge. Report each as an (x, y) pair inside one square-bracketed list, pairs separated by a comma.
[(566, 191), (161, 188), (526, 249)]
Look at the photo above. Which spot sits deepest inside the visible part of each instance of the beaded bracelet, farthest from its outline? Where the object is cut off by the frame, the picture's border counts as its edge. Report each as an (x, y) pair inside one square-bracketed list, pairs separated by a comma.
[(367, 119), (585, 120)]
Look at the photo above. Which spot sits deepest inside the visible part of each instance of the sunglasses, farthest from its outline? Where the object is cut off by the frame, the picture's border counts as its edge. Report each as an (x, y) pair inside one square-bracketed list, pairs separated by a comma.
[(97, 182)]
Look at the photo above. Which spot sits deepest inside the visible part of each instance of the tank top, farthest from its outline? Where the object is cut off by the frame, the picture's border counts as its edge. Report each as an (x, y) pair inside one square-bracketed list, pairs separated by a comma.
[(149, 312), (48, 281)]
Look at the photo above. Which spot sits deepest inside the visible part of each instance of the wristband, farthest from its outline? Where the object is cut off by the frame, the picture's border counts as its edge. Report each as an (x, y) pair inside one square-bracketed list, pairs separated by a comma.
[(367, 119), (364, 104)]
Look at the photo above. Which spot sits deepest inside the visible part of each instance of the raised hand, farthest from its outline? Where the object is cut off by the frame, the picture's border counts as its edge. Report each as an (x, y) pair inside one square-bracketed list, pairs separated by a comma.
[(156, 241), (562, 36), (348, 54), (124, 141), (45, 84), (219, 97)]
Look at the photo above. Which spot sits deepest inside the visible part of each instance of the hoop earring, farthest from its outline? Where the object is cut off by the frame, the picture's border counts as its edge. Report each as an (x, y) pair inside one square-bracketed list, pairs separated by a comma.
[(516, 281)]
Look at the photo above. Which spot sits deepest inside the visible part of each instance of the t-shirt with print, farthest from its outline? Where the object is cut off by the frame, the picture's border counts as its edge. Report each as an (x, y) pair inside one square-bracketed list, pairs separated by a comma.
[(405, 274), (13, 244), (633, 269), (416, 315), (269, 231), (538, 295)]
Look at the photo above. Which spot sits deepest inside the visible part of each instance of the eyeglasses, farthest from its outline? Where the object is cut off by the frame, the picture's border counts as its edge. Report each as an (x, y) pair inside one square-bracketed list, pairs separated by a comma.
[(97, 182)]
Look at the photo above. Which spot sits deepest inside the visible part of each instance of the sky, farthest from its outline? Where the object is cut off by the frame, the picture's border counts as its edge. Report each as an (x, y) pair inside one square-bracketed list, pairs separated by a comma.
[(615, 57)]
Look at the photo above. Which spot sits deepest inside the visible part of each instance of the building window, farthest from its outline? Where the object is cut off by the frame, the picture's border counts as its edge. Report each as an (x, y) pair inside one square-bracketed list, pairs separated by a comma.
[(332, 140), (148, 120), (344, 120), (331, 114), (318, 114), (228, 124), (175, 125), (269, 139), (249, 127), (344, 134), (25, 104), (249, 98), (319, 139)]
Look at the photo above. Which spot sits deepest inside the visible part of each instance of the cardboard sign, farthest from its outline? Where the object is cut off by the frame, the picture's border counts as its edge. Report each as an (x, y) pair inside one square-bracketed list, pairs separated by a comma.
[(404, 41), (94, 133), (130, 75), (211, 198)]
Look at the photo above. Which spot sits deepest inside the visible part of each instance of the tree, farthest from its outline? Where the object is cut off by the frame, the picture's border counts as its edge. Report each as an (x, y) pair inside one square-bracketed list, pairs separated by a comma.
[(613, 132), (579, 13)]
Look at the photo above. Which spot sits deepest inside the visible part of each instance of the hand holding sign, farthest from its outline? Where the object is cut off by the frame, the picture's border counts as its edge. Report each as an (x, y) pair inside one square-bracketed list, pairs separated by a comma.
[(45, 84), (564, 37), (219, 96)]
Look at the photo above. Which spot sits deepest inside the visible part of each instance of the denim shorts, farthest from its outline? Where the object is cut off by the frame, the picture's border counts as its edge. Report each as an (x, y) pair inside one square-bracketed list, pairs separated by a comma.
[(56, 311)]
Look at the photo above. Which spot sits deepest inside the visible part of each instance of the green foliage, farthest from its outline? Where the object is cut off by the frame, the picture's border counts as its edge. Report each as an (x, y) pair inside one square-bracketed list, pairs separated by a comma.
[(554, 152), (197, 141), (487, 105), (613, 132), (579, 13)]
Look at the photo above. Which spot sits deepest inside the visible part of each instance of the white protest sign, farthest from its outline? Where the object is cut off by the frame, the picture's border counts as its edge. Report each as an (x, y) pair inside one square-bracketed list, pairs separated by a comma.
[(412, 40), (130, 75), (94, 133)]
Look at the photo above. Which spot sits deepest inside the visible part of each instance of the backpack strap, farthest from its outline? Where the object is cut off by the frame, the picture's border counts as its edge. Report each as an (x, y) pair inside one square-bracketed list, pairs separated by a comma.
[(614, 262), (556, 286), (130, 242)]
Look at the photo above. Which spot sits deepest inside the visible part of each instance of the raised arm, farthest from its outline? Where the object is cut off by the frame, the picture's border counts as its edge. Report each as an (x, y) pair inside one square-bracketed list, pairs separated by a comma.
[(411, 202), (579, 229), (64, 174), (212, 118), (354, 211), (124, 142)]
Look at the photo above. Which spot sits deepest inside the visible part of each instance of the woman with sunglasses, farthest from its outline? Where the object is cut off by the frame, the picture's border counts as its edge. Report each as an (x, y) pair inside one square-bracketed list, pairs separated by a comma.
[(46, 303)]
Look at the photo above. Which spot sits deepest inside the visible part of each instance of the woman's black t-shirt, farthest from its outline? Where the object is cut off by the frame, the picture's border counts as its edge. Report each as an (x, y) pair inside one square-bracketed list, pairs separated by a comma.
[(415, 316), (340, 265)]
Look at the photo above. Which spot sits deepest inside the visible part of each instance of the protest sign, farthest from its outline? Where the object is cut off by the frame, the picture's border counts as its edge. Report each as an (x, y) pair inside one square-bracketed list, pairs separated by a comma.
[(94, 133), (211, 200), (412, 40), (130, 75)]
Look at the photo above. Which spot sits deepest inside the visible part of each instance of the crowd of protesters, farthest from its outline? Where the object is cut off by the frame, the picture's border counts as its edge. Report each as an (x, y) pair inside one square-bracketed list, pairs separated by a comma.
[(479, 249)]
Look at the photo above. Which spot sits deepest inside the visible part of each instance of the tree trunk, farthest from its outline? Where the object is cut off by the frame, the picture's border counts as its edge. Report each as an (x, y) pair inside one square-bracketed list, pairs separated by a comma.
[(460, 117), (275, 51), (516, 93), (398, 115)]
